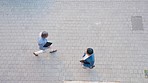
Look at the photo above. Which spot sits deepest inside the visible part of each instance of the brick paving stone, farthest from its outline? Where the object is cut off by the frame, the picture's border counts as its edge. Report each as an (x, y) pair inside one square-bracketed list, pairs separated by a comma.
[(73, 25)]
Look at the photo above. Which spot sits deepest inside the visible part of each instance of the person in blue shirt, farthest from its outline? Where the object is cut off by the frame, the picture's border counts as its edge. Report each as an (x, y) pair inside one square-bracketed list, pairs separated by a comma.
[(88, 59), (42, 40)]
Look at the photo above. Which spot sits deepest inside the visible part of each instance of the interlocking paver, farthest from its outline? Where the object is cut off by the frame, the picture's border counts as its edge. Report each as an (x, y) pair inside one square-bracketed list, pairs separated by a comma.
[(73, 25)]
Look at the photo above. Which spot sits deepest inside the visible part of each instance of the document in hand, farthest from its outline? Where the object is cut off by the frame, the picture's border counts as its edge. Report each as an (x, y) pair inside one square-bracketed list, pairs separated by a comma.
[(47, 44)]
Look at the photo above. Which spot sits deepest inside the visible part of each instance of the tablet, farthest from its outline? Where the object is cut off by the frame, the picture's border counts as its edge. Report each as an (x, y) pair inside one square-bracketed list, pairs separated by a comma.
[(47, 44)]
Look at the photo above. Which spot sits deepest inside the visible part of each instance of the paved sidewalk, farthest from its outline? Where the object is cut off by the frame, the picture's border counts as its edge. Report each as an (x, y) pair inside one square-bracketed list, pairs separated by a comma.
[(116, 29), (86, 82)]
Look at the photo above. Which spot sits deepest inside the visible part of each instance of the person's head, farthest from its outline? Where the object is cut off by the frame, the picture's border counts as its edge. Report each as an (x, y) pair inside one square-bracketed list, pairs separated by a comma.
[(44, 34), (89, 51)]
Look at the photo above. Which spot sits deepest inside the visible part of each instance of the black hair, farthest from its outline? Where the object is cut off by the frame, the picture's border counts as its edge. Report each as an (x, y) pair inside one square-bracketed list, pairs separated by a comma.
[(90, 51), (44, 33)]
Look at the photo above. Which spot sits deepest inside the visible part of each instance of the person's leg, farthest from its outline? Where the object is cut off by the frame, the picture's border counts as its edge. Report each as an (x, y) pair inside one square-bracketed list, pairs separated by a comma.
[(38, 52), (84, 67), (51, 48), (82, 64)]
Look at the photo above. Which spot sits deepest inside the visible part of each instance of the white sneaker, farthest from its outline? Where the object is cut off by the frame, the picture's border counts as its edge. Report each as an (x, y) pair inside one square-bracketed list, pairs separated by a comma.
[(35, 54)]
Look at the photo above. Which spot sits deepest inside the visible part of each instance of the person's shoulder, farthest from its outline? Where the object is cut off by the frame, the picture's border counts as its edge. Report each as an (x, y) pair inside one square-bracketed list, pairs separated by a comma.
[(46, 39), (92, 55), (40, 40)]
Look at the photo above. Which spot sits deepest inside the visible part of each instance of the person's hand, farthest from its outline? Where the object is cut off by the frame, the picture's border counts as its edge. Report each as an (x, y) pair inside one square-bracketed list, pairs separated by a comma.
[(82, 61)]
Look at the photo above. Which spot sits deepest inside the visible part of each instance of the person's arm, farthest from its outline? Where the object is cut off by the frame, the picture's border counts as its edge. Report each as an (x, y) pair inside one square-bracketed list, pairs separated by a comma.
[(84, 54), (92, 61), (82, 60), (89, 63), (41, 45), (86, 62)]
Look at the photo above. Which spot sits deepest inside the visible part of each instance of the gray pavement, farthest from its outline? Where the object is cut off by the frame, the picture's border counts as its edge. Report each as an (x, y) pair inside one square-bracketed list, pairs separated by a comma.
[(121, 50)]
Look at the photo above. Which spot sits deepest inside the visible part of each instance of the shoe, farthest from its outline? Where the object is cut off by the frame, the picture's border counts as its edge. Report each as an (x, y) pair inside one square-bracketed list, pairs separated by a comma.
[(92, 67), (35, 54), (53, 51)]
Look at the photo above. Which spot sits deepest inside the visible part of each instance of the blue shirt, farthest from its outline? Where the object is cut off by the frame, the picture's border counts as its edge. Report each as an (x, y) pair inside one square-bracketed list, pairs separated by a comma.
[(89, 62), (41, 43)]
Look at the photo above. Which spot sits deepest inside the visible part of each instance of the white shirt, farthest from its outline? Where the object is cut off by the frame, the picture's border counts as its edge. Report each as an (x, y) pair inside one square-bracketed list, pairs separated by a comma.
[(85, 57)]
